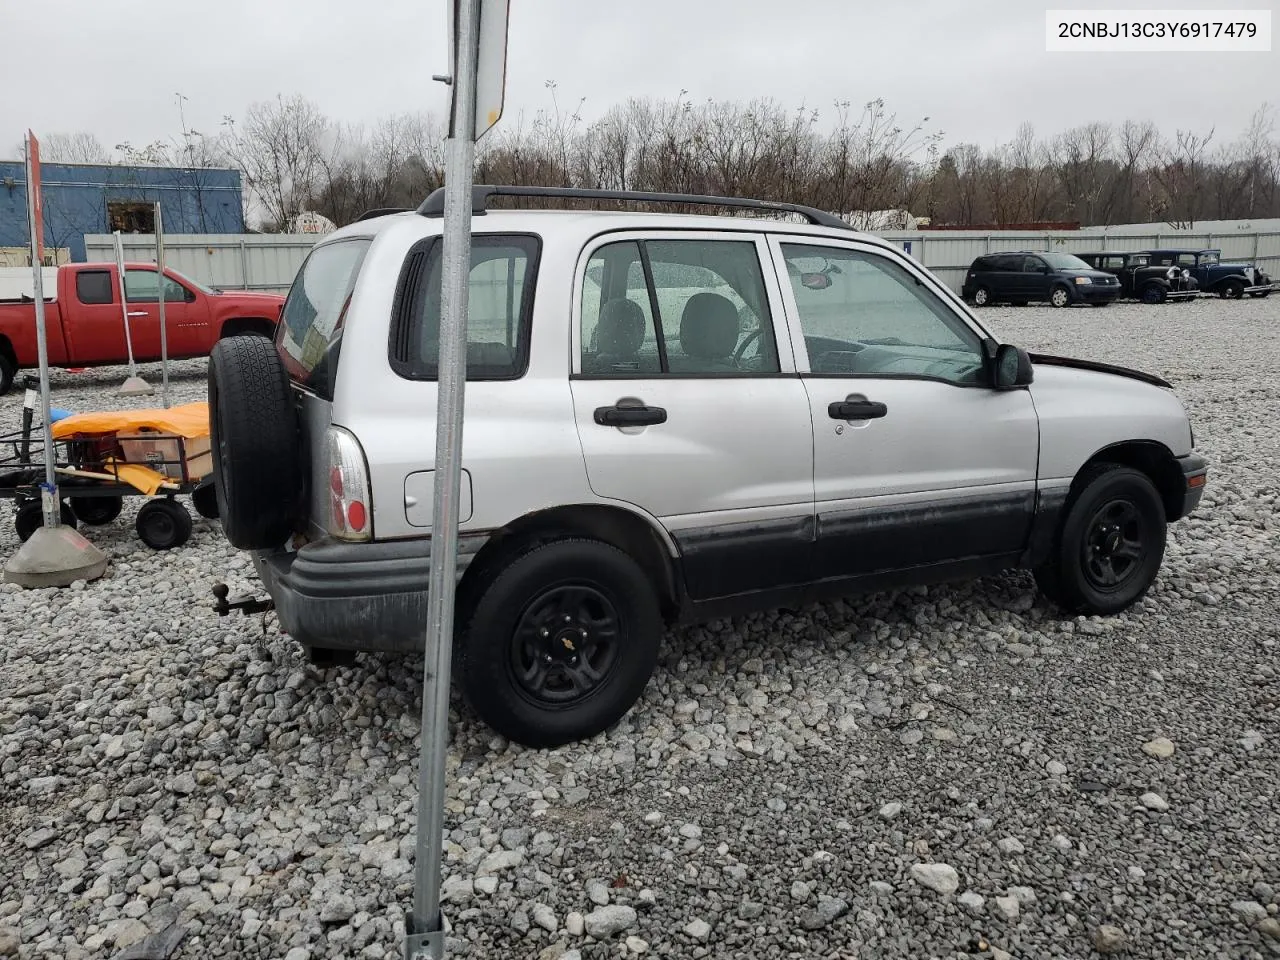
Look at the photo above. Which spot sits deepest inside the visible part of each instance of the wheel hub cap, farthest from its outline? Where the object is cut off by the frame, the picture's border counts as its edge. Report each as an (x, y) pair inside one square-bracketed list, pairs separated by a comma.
[(565, 644)]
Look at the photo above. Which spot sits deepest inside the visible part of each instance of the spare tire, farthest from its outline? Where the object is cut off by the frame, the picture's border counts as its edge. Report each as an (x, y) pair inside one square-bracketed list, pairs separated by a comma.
[(257, 463)]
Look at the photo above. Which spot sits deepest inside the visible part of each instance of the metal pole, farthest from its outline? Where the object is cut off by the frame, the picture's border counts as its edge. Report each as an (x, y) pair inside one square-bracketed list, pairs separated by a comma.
[(49, 490), (425, 933), (124, 304), (164, 330)]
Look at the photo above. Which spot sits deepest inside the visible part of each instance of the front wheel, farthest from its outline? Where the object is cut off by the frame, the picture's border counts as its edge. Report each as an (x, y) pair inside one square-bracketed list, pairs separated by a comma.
[(1110, 545), (163, 524), (1257, 295), (1061, 297), (1153, 293), (560, 643), (8, 370)]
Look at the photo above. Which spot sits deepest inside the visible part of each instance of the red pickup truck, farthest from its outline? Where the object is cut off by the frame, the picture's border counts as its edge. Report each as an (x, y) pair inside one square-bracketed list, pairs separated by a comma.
[(85, 327)]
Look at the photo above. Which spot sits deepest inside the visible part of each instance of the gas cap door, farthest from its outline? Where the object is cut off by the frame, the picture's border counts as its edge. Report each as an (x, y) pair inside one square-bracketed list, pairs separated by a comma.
[(419, 498)]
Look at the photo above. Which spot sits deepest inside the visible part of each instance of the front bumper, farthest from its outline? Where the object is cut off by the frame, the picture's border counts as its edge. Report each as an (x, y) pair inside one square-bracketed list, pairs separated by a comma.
[(1195, 471), (356, 596), (1096, 293), (1261, 287)]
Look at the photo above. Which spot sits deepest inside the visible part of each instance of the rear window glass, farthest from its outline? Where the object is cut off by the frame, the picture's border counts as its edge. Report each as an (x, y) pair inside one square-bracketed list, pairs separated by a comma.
[(94, 286), (316, 305), (500, 301)]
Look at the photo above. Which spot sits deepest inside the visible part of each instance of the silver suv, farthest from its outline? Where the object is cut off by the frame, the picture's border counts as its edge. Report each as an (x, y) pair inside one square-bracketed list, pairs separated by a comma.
[(668, 418)]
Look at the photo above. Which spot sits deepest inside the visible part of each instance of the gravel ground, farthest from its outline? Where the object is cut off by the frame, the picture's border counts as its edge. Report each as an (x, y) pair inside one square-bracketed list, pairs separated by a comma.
[(943, 773)]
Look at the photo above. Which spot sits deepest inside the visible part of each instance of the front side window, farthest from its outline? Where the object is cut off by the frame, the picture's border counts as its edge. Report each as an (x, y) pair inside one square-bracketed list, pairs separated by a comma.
[(1114, 263), (140, 287), (499, 309), (874, 318), (1032, 265), (692, 307)]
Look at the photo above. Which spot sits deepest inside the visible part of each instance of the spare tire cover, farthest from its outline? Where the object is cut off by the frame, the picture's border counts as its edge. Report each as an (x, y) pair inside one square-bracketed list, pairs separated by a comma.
[(256, 447)]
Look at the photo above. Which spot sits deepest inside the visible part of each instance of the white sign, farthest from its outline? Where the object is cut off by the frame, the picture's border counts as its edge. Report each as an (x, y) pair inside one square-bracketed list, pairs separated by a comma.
[(491, 64)]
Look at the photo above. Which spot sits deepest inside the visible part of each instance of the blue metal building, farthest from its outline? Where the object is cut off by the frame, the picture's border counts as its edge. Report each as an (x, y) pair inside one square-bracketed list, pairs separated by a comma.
[(100, 198)]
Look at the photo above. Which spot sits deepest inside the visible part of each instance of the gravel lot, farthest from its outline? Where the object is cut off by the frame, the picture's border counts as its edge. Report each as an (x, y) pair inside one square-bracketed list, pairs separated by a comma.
[(952, 772)]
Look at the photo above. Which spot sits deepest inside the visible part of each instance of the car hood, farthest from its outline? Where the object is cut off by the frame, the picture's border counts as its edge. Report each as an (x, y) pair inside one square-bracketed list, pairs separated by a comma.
[(250, 297), (1092, 274), (1049, 359)]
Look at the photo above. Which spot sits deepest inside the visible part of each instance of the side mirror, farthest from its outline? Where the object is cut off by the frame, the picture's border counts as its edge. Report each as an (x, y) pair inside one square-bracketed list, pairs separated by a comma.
[(1012, 367)]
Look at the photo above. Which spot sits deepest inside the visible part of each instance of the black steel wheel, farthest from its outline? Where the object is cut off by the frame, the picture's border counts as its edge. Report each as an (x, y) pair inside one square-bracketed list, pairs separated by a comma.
[(163, 524), (30, 517), (1153, 293), (1232, 290), (96, 511), (559, 641), (1110, 544)]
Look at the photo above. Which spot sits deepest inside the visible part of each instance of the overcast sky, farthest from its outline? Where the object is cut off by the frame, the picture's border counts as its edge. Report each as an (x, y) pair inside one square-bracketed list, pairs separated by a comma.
[(976, 68)]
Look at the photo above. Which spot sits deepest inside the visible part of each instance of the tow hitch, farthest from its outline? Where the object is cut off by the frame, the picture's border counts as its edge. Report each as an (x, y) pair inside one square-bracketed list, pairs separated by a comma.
[(247, 604)]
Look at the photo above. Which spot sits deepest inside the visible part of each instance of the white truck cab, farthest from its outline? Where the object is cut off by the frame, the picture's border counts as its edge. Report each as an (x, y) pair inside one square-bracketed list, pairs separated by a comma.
[(668, 417)]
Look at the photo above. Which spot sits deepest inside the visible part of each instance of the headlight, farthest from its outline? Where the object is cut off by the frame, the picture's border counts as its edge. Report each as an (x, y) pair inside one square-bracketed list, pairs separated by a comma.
[(1186, 274), (1173, 272), (1083, 280)]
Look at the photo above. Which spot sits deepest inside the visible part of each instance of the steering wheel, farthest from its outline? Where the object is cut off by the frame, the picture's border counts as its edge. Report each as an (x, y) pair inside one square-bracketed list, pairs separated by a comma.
[(742, 347)]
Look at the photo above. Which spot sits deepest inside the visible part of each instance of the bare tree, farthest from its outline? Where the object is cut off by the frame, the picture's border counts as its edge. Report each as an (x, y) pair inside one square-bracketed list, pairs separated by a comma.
[(79, 147)]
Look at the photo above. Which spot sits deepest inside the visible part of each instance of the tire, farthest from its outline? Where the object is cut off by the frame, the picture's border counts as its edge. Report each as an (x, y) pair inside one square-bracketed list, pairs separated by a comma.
[(1060, 297), (96, 511), (1231, 290), (1258, 295), (254, 437), (1153, 293), (326, 657), (163, 524), (589, 583), (1075, 576), (205, 499), (8, 370), (30, 517), (982, 297)]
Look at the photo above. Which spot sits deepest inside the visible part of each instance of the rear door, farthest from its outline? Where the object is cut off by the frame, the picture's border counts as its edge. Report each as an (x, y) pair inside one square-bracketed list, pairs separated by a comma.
[(688, 406), (917, 461)]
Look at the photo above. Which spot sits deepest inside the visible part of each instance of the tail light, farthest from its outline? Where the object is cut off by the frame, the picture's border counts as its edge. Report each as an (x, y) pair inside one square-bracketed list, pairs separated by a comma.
[(350, 509)]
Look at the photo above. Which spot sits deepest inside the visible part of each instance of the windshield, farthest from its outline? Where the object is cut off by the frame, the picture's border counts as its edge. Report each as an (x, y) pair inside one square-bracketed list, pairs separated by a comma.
[(1210, 257), (1065, 261), (207, 291)]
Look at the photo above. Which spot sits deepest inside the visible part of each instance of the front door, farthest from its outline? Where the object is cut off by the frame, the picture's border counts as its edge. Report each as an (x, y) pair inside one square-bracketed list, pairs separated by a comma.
[(186, 318), (1035, 278), (917, 461), (688, 406)]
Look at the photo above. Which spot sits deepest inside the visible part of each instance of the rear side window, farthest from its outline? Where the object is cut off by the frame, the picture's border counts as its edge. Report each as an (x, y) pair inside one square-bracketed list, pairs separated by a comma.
[(499, 308), (316, 305), (94, 286)]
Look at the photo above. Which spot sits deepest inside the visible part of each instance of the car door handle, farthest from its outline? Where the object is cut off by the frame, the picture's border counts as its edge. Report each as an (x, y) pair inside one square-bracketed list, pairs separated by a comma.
[(856, 407), (137, 313), (629, 416)]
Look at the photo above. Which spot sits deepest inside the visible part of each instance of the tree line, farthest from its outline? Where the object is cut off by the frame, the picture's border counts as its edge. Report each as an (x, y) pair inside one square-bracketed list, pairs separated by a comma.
[(848, 159)]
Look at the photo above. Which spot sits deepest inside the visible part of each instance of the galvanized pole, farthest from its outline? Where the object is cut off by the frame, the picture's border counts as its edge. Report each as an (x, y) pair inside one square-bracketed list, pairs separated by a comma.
[(425, 931), (124, 304), (49, 491), (164, 330)]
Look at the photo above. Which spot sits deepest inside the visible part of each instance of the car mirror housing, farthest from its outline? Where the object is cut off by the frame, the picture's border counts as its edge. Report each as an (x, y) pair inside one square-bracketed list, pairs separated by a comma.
[(1012, 367)]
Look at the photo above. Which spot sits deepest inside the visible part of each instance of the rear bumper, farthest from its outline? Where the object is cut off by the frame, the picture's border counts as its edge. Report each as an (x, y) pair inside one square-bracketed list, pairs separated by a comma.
[(356, 596), (1194, 473)]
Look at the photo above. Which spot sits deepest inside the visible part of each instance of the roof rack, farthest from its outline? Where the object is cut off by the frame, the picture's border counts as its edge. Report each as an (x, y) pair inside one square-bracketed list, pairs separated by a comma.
[(433, 206), (380, 212)]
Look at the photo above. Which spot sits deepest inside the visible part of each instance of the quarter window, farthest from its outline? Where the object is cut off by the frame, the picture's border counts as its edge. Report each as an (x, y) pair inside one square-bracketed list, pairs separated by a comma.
[(871, 317), (691, 307), (94, 286)]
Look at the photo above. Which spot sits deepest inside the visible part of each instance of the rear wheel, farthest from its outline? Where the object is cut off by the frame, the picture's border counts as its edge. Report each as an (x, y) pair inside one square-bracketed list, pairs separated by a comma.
[(30, 518), (205, 499), (560, 643), (1110, 545), (1232, 290), (982, 297), (8, 370), (96, 511), (163, 524), (1060, 297)]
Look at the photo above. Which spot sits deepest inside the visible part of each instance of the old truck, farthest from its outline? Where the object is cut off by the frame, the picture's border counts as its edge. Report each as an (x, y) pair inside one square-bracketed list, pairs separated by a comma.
[(1230, 280), (85, 326)]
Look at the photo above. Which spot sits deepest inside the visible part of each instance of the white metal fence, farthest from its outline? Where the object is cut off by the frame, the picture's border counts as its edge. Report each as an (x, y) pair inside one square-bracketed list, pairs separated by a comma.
[(269, 261)]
